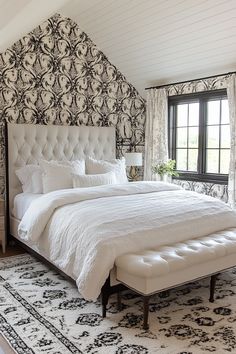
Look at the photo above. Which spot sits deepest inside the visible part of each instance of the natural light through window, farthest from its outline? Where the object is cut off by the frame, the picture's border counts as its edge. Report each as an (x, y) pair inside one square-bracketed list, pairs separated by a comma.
[(187, 131), (199, 134), (218, 137)]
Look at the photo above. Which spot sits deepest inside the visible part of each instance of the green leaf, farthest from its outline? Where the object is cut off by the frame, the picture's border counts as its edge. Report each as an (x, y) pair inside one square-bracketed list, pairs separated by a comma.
[(165, 168)]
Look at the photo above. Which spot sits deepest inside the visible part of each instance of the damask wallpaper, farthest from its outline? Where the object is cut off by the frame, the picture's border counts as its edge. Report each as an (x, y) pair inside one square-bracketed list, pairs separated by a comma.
[(219, 191), (57, 75), (218, 82)]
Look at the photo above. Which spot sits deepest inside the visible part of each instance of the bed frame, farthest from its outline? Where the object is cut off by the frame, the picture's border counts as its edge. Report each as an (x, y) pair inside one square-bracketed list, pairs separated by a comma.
[(27, 143)]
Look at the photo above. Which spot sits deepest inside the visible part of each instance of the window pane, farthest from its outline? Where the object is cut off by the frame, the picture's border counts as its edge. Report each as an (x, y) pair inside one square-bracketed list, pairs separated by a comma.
[(224, 112), (192, 159), (212, 161), (225, 136), (182, 115), (181, 140), (213, 137), (181, 159), (193, 137), (224, 161), (213, 112), (194, 114)]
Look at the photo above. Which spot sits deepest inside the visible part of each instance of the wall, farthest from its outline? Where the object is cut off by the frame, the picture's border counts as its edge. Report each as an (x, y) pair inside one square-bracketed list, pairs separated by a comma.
[(57, 75), (219, 191), (220, 82)]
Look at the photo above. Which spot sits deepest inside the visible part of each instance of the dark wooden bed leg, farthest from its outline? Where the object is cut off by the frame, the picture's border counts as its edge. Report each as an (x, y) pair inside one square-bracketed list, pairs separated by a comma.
[(212, 287), (107, 291), (145, 312), (104, 304), (105, 296)]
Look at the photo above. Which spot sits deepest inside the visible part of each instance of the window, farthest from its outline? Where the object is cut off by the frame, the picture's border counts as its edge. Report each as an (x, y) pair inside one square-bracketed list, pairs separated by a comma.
[(199, 135)]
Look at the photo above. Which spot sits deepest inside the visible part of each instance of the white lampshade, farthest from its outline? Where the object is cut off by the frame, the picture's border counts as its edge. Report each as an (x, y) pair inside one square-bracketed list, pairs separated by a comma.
[(133, 159)]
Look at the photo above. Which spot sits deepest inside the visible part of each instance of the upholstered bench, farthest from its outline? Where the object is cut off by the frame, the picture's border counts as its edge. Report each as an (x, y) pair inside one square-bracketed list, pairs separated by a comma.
[(151, 271)]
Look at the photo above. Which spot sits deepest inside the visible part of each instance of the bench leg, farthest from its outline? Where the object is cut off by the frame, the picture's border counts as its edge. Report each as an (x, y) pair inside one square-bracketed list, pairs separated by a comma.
[(145, 311), (105, 298), (105, 293), (119, 306), (212, 287)]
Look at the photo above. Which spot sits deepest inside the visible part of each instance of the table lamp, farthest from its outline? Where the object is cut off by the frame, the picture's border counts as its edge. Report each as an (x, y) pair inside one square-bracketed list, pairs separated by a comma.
[(133, 159)]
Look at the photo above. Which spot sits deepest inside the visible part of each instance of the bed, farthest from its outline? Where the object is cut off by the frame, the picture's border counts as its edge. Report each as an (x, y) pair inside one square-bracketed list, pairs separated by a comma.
[(27, 143), (112, 220)]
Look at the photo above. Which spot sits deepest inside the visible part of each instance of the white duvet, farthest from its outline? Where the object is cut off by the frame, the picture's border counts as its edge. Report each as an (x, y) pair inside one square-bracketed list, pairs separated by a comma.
[(87, 228)]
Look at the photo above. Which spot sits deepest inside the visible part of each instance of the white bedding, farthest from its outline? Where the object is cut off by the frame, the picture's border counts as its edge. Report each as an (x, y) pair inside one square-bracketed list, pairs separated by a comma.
[(22, 202), (88, 228)]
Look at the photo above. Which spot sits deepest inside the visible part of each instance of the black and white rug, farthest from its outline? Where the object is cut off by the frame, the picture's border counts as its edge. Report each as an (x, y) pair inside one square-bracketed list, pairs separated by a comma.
[(42, 313)]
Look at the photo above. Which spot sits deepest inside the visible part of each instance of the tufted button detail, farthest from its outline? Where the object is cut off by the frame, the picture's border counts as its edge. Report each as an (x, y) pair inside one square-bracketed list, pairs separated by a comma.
[(28, 143), (163, 260)]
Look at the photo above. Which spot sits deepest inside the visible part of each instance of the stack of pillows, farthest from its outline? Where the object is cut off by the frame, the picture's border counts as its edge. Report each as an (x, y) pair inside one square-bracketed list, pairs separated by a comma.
[(49, 176)]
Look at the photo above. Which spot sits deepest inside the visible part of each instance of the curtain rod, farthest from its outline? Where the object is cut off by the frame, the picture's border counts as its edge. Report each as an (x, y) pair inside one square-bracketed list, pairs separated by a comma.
[(184, 82)]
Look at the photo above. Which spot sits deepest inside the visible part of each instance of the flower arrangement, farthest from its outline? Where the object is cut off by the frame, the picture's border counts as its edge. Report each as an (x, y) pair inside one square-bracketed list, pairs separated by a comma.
[(165, 168)]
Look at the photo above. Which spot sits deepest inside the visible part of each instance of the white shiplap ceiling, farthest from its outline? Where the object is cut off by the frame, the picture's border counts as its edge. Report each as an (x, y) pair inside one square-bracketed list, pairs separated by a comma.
[(161, 41), (150, 41), (18, 17)]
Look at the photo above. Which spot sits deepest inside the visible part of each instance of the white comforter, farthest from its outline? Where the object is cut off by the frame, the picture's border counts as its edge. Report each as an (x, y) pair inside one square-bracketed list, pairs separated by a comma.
[(88, 228)]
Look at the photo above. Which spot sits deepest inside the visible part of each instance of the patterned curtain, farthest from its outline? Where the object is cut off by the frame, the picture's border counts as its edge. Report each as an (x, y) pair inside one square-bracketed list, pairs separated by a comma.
[(231, 93), (156, 134)]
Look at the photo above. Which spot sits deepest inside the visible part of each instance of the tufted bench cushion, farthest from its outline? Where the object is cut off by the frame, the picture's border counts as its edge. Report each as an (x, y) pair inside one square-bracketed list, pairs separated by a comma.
[(157, 269)]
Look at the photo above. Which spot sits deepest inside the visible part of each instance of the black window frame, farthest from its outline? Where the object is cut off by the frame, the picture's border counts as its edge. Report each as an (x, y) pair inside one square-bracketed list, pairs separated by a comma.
[(202, 98)]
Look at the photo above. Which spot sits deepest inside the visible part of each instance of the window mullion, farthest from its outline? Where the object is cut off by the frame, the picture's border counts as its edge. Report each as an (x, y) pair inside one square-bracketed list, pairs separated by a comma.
[(187, 136), (174, 132), (219, 158), (202, 136), (204, 133)]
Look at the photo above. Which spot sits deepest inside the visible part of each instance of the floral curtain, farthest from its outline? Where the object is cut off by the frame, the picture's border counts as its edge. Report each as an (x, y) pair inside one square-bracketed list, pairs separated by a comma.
[(156, 133), (231, 93)]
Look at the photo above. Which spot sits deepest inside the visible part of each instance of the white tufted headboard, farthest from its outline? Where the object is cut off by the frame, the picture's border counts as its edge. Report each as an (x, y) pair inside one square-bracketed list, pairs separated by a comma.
[(28, 143)]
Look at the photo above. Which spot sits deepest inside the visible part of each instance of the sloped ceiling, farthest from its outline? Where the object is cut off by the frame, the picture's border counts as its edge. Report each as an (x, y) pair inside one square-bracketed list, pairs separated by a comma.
[(18, 17), (161, 41), (150, 41)]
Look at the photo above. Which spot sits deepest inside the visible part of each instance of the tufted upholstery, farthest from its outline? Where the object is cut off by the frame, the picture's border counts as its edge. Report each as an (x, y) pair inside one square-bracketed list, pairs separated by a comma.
[(29, 143), (145, 270)]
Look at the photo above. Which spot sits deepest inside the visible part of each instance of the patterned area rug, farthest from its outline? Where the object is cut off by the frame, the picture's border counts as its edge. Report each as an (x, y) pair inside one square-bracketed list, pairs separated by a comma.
[(40, 312)]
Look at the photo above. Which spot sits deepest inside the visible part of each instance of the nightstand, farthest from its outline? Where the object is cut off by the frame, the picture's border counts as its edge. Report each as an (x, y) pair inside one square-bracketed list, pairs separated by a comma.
[(2, 225)]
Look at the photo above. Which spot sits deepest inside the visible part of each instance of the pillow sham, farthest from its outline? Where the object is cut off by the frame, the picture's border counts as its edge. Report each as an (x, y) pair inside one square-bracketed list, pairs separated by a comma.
[(58, 175), (117, 166), (30, 177), (83, 181), (79, 165)]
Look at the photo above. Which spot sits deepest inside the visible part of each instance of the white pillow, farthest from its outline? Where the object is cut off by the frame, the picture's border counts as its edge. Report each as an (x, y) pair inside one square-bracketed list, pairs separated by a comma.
[(117, 166), (59, 175), (83, 181), (31, 179), (78, 165)]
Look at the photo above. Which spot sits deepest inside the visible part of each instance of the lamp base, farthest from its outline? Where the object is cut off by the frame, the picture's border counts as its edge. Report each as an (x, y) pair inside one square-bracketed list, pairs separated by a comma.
[(133, 175)]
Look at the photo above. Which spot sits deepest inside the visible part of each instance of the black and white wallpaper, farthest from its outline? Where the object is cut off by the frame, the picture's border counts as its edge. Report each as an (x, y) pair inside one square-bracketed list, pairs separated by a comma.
[(215, 83), (219, 82), (57, 75), (219, 191)]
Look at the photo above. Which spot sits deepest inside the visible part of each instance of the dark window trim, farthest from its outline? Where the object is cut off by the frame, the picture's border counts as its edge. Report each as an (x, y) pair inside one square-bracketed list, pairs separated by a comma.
[(196, 95), (209, 177), (202, 98)]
